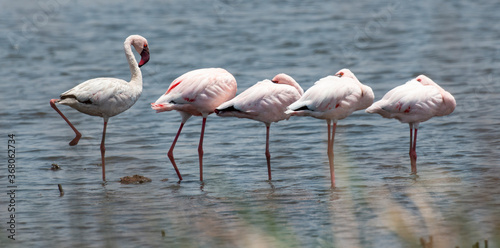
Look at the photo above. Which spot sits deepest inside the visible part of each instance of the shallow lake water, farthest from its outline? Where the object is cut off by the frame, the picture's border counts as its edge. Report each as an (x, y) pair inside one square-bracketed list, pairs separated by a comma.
[(49, 46)]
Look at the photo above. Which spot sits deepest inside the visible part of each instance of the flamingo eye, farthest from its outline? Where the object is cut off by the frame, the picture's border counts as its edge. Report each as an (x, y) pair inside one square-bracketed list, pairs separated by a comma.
[(145, 45), (340, 74), (418, 79)]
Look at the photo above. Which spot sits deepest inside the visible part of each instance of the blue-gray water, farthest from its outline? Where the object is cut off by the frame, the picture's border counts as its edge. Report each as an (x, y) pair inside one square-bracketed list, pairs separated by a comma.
[(49, 46)]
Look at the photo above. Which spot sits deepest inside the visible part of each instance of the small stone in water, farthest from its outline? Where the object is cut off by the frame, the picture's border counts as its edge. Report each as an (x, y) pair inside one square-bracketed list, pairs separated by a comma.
[(136, 179), (55, 167)]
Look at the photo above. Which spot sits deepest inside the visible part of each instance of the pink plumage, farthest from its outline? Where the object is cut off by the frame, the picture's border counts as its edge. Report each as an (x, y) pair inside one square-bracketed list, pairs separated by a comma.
[(197, 93), (266, 101), (333, 98), (416, 101)]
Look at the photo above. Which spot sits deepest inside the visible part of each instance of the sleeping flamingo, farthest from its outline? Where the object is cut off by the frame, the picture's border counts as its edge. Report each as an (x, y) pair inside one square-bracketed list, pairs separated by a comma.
[(333, 98), (266, 101), (107, 97), (416, 101), (196, 93)]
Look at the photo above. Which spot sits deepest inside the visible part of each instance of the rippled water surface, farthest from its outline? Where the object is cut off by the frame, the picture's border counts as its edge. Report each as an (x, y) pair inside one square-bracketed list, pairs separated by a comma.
[(49, 46)]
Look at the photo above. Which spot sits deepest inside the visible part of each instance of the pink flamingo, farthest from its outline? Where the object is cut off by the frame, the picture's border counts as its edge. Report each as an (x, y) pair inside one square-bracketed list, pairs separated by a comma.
[(107, 97), (266, 101), (416, 101), (333, 98), (196, 93)]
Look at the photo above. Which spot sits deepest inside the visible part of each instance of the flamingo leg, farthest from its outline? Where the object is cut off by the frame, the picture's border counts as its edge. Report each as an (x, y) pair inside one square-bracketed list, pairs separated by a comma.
[(200, 147), (332, 171), (171, 152), (331, 137), (411, 143), (103, 150), (268, 154), (78, 134), (413, 154)]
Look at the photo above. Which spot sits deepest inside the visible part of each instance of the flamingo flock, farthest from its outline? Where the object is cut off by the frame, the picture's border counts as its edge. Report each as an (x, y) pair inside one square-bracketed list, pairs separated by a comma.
[(202, 92)]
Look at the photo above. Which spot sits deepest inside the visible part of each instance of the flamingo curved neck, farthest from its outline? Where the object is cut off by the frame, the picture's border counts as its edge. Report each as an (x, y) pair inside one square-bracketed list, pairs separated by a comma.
[(294, 84), (136, 75), (299, 89)]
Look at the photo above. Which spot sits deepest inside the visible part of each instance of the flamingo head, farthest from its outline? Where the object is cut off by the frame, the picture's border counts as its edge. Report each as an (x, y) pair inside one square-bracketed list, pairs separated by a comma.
[(346, 73), (424, 80), (283, 78), (141, 46)]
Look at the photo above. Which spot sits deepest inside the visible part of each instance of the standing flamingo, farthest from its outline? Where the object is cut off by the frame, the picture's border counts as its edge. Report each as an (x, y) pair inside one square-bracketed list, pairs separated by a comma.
[(196, 93), (416, 101), (333, 98), (107, 97), (266, 101)]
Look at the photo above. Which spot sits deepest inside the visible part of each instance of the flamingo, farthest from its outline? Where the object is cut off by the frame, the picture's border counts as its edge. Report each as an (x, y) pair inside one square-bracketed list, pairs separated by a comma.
[(333, 98), (416, 101), (197, 93), (266, 101), (107, 97)]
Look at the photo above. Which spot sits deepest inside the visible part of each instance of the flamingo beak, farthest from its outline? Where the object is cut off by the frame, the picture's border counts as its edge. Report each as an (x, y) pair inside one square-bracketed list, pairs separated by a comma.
[(144, 56)]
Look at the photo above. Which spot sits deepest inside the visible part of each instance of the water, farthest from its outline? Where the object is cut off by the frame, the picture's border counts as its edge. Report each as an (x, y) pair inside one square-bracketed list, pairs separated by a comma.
[(50, 46)]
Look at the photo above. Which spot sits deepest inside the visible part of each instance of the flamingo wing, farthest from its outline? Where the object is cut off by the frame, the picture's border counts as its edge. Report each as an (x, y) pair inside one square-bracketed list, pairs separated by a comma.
[(328, 96), (265, 101), (411, 102), (198, 91), (101, 97)]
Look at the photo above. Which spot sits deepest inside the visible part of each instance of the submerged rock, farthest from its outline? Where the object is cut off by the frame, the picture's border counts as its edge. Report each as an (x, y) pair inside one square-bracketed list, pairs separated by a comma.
[(135, 179), (55, 167)]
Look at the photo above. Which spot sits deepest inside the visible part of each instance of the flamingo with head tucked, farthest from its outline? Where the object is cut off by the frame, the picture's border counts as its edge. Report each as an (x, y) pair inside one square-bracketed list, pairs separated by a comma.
[(107, 97), (266, 101), (333, 98), (416, 101), (196, 93)]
